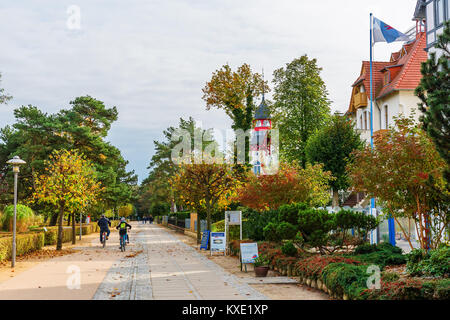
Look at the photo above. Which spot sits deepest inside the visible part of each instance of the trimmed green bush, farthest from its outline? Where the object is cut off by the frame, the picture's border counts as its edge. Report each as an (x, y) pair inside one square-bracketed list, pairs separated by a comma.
[(365, 249), (345, 278), (289, 249), (433, 263), (381, 258), (286, 231), (257, 221), (383, 254), (25, 243), (271, 232), (442, 290)]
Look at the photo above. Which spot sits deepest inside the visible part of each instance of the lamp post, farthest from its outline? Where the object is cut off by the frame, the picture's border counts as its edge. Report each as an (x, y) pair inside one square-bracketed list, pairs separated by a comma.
[(16, 162)]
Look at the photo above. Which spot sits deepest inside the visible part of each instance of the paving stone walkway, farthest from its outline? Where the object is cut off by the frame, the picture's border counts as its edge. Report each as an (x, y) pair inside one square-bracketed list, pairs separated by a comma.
[(165, 268)]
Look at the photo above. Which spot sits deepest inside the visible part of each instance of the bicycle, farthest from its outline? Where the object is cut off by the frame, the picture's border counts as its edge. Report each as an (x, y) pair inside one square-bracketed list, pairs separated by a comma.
[(123, 242), (104, 238)]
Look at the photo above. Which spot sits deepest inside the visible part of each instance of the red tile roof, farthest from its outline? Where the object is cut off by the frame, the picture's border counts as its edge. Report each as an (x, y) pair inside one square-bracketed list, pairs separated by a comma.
[(409, 76), (407, 73)]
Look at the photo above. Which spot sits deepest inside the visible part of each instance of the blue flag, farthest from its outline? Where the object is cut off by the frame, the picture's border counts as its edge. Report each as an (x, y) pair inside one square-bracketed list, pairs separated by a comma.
[(383, 32)]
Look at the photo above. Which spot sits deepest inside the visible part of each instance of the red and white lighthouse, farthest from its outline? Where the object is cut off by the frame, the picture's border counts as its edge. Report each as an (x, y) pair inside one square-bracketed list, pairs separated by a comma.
[(260, 146)]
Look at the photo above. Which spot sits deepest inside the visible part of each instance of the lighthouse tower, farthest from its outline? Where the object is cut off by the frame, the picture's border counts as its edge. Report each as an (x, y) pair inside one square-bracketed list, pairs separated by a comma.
[(260, 146)]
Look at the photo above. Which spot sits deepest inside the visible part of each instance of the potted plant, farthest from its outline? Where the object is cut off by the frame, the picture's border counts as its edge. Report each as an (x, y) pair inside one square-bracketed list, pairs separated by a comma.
[(261, 266)]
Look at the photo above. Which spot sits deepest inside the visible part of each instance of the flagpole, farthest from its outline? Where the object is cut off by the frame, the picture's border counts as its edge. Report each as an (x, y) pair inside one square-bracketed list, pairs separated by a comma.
[(372, 201)]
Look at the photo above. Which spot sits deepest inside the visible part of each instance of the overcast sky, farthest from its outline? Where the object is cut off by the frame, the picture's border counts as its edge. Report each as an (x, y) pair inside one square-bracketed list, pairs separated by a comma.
[(152, 58)]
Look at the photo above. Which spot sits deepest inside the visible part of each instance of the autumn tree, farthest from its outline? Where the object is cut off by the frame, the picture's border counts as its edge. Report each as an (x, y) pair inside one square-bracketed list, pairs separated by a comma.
[(155, 191), (205, 186), (434, 92), (405, 173), (235, 92), (332, 146), (126, 210), (291, 184), (69, 183), (301, 106)]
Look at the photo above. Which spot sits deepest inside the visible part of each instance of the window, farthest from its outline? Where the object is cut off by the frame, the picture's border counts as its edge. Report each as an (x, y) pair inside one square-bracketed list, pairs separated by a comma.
[(448, 10), (439, 12), (365, 120), (379, 117), (386, 117), (431, 37), (430, 16), (360, 123), (386, 78)]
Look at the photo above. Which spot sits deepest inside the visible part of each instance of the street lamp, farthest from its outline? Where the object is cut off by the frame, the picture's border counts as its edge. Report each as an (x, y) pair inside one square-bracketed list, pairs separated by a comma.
[(16, 162)]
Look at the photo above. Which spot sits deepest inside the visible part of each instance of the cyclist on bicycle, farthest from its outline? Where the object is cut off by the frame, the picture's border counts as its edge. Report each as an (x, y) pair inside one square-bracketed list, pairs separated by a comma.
[(123, 228), (104, 225)]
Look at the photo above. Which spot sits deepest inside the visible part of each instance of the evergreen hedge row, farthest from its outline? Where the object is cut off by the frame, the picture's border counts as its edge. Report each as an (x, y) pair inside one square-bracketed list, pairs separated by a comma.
[(25, 243)]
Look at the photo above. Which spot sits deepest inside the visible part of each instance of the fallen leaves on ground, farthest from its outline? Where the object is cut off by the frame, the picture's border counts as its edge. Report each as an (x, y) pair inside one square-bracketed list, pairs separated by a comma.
[(134, 254), (41, 254)]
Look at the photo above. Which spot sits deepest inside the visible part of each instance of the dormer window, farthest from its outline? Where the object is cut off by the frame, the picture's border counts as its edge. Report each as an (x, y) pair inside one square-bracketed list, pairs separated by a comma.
[(387, 78)]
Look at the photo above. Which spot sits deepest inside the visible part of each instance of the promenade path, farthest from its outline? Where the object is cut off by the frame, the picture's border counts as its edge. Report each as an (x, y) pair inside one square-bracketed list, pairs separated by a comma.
[(166, 268), (157, 265)]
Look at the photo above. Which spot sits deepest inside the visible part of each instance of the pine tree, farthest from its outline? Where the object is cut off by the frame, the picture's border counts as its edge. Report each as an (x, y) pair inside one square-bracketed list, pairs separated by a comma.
[(434, 91)]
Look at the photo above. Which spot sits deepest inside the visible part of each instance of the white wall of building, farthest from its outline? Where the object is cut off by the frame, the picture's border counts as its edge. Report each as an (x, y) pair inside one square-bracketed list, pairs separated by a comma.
[(398, 102)]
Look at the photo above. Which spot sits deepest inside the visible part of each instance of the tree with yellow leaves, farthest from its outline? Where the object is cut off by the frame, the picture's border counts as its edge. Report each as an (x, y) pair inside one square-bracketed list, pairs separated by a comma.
[(205, 186), (69, 183)]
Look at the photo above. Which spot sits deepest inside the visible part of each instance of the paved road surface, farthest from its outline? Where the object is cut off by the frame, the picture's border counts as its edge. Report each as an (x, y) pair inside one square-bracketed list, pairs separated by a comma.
[(166, 268)]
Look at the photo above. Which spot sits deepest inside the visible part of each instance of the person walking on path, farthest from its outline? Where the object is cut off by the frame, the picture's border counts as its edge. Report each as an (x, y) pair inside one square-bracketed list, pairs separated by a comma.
[(151, 219)]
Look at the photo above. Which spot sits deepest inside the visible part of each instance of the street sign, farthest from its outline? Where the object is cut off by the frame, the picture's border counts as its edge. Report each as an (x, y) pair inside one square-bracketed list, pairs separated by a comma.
[(249, 252), (218, 242), (205, 240)]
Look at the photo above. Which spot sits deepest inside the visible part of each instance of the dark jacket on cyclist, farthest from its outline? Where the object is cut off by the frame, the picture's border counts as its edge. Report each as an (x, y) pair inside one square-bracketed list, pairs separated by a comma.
[(122, 227), (104, 225)]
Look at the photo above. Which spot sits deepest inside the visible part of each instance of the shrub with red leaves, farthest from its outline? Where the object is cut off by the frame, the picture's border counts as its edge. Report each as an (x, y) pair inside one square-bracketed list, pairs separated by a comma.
[(312, 267), (407, 289)]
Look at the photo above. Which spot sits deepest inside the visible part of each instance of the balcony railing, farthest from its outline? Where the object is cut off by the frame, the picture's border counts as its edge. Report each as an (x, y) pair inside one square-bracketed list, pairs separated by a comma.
[(360, 100)]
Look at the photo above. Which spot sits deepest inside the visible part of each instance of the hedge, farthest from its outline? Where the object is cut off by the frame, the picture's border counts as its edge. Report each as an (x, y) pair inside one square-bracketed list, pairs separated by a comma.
[(36, 239), (25, 243), (410, 289)]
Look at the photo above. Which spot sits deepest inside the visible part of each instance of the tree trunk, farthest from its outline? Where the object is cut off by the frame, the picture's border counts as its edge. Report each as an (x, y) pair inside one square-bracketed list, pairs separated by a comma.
[(74, 236), (335, 198), (208, 216), (54, 219), (68, 220), (60, 227)]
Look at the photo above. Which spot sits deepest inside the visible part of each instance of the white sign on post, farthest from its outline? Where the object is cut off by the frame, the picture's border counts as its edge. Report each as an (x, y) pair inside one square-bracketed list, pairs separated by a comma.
[(249, 252)]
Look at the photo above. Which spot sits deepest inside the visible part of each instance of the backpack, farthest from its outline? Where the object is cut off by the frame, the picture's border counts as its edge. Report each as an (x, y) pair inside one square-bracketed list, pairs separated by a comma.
[(123, 225)]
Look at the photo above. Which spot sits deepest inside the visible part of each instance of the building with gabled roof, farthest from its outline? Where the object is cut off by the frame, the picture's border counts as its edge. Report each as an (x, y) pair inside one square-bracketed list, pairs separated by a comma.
[(394, 82)]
